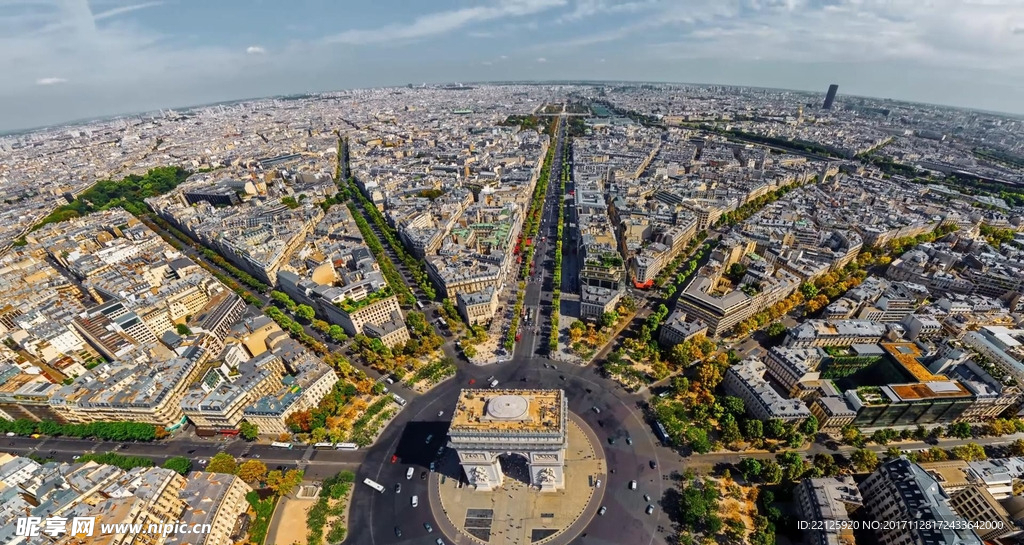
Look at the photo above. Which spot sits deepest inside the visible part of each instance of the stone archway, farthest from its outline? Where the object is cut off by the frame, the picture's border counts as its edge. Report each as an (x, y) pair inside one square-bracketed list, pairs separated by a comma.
[(493, 430), (515, 465)]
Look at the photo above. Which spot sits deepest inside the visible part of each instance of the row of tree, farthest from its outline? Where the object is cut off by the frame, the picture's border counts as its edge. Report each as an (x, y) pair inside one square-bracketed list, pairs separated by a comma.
[(415, 266), (255, 473), (109, 431)]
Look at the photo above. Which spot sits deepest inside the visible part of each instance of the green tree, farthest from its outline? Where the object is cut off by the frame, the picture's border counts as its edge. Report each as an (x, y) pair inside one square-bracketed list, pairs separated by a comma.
[(252, 471), (182, 329), (771, 472), (305, 312), (336, 333), (864, 459), (282, 298), (810, 426), (776, 330), (733, 405), (808, 290), (222, 462), (776, 429), (248, 431), (826, 463), (698, 440), (180, 464), (754, 429), (608, 319), (730, 429), (750, 468), (969, 452), (960, 430)]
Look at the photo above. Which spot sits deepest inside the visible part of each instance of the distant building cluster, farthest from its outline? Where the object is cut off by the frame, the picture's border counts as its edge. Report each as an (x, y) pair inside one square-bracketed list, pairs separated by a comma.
[(138, 332), (54, 495)]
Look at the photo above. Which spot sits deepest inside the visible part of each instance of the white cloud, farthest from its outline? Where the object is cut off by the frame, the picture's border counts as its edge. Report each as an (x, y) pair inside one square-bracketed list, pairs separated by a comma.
[(591, 8), (542, 59), (445, 21), (255, 50), (487, 63), (123, 9), (50, 81)]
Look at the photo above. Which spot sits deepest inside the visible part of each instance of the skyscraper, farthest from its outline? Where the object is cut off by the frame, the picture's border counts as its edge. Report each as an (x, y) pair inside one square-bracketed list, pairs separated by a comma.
[(832, 89)]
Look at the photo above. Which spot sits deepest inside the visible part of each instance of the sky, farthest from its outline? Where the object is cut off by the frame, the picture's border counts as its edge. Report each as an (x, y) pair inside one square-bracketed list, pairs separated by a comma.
[(64, 60)]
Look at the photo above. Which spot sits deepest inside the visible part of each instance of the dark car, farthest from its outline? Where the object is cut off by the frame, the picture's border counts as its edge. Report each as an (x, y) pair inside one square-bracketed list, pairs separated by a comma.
[(423, 475), (398, 532), (654, 465)]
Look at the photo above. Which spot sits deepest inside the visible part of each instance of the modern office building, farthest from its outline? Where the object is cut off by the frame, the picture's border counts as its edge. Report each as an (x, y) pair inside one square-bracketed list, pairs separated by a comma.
[(830, 97)]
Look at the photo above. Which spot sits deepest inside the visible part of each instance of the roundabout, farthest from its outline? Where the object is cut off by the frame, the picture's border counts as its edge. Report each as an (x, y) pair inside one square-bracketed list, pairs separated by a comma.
[(518, 512), (415, 438)]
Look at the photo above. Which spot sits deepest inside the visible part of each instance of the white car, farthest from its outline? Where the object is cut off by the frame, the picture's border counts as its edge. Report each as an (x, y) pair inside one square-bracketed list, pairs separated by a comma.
[(415, 501), (602, 510), (440, 413), (598, 483), (409, 473), (632, 485), (650, 509)]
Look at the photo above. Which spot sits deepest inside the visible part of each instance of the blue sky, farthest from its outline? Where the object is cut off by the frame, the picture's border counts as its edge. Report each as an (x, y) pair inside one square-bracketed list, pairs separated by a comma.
[(70, 59)]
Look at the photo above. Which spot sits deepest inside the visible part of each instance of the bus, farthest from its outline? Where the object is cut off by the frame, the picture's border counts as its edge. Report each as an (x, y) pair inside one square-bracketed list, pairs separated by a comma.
[(346, 446), (323, 446), (662, 433), (374, 485), (281, 445)]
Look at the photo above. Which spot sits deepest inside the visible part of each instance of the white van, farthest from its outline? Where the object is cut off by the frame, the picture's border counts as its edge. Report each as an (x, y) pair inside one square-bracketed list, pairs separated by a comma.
[(415, 501), (409, 473), (494, 383)]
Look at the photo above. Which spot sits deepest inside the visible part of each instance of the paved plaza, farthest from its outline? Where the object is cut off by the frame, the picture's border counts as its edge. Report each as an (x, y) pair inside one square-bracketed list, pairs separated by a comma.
[(520, 514)]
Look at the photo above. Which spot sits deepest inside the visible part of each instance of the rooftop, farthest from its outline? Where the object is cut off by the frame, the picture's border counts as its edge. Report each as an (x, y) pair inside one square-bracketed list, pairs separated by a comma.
[(509, 411)]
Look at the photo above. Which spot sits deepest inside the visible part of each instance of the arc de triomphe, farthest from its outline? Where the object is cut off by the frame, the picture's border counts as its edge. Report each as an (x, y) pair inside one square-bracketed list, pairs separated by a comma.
[(487, 424)]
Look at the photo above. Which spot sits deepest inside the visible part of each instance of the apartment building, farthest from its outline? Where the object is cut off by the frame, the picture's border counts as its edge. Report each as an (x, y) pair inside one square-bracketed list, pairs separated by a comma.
[(377, 308), (477, 307), (142, 393), (217, 499), (901, 490), (677, 329), (976, 504), (392, 333), (220, 409), (832, 413), (312, 379), (828, 499), (796, 369), (824, 333), (746, 381)]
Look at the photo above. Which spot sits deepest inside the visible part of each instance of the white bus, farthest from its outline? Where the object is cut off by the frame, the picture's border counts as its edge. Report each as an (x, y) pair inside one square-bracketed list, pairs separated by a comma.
[(374, 485), (346, 446), (281, 445), (323, 445)]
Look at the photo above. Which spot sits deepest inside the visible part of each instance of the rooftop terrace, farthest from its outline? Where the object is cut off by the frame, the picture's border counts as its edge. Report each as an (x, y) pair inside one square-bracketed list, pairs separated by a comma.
[(509, 411)]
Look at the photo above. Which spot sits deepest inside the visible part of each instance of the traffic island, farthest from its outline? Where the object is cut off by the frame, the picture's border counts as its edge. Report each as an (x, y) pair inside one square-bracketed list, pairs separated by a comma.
[(515, 512)]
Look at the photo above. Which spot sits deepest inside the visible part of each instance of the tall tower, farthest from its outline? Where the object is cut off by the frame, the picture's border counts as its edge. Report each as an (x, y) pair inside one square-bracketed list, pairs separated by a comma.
[(831, 96)]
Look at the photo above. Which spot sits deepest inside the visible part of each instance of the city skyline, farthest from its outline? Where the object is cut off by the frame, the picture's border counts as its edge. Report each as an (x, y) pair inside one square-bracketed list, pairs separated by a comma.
[(74, 59)]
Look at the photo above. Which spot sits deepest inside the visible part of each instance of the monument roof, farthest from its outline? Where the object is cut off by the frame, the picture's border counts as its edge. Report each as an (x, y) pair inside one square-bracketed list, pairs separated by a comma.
[(509, 411)]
